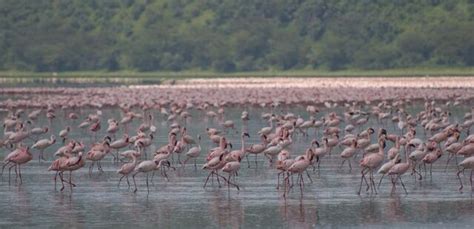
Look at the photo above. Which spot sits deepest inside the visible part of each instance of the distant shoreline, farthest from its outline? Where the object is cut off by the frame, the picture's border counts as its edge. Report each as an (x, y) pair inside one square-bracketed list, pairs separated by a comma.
[(251, 82), (133, 75)]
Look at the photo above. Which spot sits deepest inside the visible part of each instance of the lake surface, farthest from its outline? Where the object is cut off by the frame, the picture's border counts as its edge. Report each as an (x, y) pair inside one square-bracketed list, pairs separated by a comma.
[(331, 199)]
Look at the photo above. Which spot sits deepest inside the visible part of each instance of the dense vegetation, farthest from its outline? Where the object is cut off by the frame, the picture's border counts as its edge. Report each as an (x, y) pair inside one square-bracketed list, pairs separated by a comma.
[(234, 35)]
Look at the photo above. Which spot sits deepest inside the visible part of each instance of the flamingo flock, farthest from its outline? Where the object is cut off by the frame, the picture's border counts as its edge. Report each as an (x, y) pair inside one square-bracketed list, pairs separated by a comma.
[(391, 135)]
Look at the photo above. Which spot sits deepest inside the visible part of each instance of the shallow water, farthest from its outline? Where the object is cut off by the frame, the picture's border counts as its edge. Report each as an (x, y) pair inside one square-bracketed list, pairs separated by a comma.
[(331, 199)]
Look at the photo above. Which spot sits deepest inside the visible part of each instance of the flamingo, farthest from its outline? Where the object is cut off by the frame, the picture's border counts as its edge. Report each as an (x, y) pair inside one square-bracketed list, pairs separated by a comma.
[(387, 166), (348, 153), (232, 168), (394, 151), (146, 167), (398, 170), (298, 167), (19, 136), (283, 163), (272, 151), (66, 162), (266, 130), (467, 163), (431, 158), (235, 154), (369, 163), (194, 152), (128, 168), (319, 152), (120, 143), (42, 145), (452, 150), (143, 142), (38, 130), (18, 157), (256, 149), (64, 133), (96, 154), (214, 165)]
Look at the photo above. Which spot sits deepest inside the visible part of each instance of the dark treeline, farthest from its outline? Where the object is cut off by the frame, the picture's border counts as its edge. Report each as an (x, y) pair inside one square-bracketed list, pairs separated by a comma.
[(234, 35)]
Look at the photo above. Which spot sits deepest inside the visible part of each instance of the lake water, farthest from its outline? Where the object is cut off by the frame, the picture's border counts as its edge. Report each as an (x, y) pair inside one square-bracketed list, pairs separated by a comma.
[(331, 199)]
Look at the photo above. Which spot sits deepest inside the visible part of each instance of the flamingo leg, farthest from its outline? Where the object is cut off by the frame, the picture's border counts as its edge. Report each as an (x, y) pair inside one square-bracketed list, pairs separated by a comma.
[(134, 182), (147, 186), (394, 183), (311, 180), (19, 174), (470, 179), (403, 185), (447, 162), (366, 182), (16, 173), (3, 168), (424, 168), (256, 164), (229, 182), (9, 173), (152, 176), (300, 177), (70, 181), (218, 181), (248, 163), (55, 177), (381, 178), (278, 180), (319, 163), (362, 177), (40, 155), (118, 185), (166, 175), (286, 180), (372, 180), (431, 168), (99, 167), (459, 177), (207, 179), (62, 181), (91, 167), (342, 163), (302, 180)]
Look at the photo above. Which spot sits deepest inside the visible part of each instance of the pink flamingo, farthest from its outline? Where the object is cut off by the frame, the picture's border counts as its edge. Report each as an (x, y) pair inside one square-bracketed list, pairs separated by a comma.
[(398, 170), (146, 167), (18, 157), (298, 167), (232, 168), (467, 163), (128, 168), (369, 163), (66, 162), (42, 145)]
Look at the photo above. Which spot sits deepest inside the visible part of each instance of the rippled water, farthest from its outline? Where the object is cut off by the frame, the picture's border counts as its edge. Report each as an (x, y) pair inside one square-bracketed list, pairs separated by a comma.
[(182, 202)]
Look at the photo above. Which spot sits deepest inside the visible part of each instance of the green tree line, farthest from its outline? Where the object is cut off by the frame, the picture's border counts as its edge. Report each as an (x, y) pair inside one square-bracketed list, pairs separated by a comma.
[(234, 35)]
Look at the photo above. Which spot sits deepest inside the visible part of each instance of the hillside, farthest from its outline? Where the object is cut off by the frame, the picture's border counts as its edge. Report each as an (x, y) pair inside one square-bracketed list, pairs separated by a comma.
[(234, 35)]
